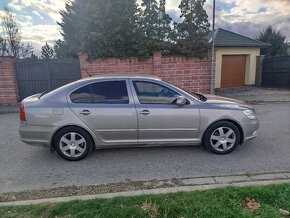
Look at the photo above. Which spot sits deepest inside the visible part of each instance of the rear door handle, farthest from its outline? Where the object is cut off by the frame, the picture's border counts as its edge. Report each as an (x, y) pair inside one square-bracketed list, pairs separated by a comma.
[(85, 112), (144, 112)]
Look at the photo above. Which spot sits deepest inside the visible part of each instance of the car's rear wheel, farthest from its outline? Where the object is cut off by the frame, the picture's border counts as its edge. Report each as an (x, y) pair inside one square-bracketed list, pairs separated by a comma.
[(222, 137), (73, 143)]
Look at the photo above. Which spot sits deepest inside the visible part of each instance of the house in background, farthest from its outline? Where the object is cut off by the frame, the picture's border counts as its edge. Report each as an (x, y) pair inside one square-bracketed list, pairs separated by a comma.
[(235, 59)]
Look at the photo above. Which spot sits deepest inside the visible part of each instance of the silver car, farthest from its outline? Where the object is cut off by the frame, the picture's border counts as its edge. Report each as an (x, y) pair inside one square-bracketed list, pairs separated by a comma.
[(123, 111)]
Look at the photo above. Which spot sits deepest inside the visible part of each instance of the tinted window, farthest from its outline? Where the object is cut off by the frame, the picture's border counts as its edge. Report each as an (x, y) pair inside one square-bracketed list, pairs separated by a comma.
[(82, 95), (110, 92), (152, 93)]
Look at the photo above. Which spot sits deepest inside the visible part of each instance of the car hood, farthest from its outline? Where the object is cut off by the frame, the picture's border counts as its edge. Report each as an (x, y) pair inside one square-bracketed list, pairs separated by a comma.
[(219, 100)]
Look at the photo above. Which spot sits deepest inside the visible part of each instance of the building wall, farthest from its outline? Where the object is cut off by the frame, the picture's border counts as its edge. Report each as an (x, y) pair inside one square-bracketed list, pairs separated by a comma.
[(8, 86), (191, 74), (251, 53)]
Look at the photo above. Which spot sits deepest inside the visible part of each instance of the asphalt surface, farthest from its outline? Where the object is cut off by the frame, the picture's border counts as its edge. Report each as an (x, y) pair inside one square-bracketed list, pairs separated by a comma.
[(24, 167)]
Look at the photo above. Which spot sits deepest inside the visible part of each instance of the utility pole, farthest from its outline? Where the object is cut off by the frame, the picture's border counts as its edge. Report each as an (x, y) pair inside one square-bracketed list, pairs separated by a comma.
[(212, 51)]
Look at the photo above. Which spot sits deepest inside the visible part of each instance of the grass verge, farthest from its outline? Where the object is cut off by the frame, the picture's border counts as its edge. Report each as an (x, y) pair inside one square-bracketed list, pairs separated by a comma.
[(225, 202)]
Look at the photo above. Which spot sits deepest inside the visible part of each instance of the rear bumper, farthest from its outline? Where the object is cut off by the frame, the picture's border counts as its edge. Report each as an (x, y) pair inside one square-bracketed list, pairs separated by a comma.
[(36, 135), (250, 129)]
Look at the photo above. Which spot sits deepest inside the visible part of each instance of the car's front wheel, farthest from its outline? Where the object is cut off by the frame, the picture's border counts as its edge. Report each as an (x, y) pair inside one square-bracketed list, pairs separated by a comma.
[(73, 143), (222, 137)]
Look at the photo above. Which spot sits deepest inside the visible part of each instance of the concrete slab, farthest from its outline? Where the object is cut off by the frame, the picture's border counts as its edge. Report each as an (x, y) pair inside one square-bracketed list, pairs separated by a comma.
[(231, 179), (198, 181), (271, 176)]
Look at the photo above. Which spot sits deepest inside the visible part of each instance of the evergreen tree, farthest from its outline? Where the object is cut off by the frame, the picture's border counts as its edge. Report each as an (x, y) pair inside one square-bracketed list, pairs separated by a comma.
[(102, 28), (192, 33), (154, 25), (279, 46), (72, 18), (62, 50), (47, 52), (119, 28)]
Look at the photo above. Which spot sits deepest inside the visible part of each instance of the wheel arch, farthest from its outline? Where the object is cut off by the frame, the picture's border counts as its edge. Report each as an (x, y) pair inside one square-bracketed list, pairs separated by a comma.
[(67, 126), (230, 121)]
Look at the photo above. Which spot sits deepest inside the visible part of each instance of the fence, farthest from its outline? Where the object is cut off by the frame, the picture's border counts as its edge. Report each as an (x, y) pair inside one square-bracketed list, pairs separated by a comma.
[(191, 74), (21, 78), (276, 72), (36, 76)]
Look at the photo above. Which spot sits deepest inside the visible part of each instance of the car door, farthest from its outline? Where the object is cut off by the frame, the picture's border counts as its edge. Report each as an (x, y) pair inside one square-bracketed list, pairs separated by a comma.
[(159, 119), (108, 109)]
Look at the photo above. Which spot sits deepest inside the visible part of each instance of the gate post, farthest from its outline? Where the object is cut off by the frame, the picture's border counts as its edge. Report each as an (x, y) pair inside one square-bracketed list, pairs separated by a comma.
[(259, 70), (8, 86)]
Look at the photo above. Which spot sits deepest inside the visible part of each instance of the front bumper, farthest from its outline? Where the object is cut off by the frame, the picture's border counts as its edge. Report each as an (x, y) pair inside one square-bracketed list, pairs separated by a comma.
[(36, 135), (250, 128)]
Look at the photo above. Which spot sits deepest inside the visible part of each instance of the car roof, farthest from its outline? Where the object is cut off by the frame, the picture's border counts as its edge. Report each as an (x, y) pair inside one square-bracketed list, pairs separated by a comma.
[(120, 76), (83, 81)]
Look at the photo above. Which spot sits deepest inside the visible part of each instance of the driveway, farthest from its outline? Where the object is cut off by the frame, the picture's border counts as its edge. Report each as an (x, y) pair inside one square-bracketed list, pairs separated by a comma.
[(23, 167), (256, 94)]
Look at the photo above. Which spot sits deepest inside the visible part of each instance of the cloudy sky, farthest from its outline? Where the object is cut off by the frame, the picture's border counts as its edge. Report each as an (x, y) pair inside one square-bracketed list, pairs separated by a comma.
[(37, 18)]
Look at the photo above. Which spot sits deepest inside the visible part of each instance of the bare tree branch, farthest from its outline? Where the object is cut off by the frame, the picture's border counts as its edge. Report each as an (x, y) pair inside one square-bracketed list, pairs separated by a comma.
[(11, 44)]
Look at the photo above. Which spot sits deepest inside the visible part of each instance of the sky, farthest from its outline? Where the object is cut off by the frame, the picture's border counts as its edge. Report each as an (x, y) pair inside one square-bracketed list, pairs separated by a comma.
[(37, 18)]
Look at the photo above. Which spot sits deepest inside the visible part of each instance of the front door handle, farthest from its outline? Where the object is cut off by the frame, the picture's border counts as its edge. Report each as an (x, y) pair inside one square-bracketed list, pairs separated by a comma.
[(85, 112), (144, 112)]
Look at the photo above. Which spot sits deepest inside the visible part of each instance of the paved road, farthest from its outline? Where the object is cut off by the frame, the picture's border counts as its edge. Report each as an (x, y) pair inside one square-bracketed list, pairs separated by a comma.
[(23, 167)]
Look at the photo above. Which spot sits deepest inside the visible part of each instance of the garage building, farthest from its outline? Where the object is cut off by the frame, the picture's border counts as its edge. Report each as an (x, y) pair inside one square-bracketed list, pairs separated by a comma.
[(235, 59)]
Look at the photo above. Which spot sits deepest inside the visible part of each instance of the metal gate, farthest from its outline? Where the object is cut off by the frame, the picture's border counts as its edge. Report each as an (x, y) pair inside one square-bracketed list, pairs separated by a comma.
[(36, 76), (276, 72)]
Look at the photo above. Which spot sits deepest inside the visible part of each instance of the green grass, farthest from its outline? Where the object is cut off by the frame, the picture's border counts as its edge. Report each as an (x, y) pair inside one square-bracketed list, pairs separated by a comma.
[(226, 202)]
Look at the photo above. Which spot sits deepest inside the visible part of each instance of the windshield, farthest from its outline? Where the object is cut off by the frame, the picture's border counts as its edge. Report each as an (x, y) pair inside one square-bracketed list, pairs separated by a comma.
[(199, 96)]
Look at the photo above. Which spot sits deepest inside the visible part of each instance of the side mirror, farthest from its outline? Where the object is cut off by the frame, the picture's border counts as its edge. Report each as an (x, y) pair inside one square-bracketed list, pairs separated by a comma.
[(181, 100)]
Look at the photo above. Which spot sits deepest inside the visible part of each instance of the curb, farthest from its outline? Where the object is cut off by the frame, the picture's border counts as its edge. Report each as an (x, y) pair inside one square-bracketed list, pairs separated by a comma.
[(208, 183)]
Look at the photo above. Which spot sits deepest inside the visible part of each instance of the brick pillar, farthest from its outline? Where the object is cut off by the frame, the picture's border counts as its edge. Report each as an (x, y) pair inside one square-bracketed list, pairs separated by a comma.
[(157, 58), (8, 86), (83, 64)]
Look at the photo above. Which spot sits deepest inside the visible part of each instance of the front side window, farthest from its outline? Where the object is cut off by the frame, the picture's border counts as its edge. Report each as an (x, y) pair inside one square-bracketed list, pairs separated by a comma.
[(153, 93), (107, 92)]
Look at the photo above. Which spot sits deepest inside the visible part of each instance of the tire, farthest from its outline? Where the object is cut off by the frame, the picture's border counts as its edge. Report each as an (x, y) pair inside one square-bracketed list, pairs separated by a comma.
[(73, 143), (222, 137)]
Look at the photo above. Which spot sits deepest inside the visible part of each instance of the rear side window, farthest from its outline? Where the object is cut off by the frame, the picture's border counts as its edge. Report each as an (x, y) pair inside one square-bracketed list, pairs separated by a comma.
[(82, 95), (108, 92)]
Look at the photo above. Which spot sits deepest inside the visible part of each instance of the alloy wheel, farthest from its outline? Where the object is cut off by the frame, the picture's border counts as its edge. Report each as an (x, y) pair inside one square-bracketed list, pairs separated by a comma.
[(223, 139), (72, 144)]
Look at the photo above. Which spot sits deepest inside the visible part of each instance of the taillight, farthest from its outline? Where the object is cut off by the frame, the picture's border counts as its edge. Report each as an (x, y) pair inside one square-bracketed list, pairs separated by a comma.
[(22, 112)]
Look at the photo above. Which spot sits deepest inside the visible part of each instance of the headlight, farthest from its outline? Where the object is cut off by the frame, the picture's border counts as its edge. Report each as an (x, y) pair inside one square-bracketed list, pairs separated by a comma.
[(250, 114)]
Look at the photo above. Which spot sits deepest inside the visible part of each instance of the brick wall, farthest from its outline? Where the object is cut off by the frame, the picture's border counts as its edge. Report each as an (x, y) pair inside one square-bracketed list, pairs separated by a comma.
[(191, 74), (8, 87)]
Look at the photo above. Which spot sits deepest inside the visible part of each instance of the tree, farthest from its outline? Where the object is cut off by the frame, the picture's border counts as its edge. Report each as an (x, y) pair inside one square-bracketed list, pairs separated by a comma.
[(62, 50), (192, 32), (279, 46), (12, 44), (120, 28), (154, 25), (2, 46), (47, 52), (101, 28), (32, 57)]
